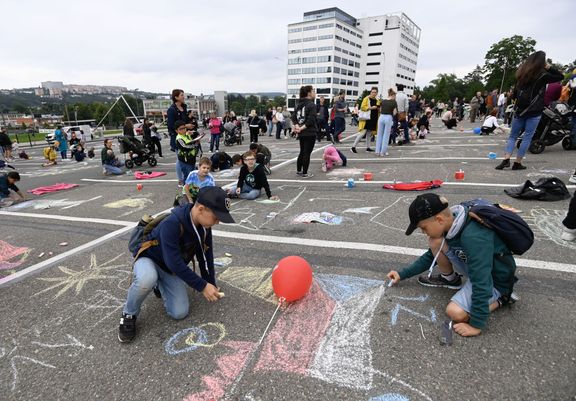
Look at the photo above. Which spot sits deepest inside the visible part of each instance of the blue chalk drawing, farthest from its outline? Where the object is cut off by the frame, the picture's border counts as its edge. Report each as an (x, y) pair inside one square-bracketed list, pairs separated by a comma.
[(200, 338), (342, 288), (421, 298), (398, 308), (390, 397)]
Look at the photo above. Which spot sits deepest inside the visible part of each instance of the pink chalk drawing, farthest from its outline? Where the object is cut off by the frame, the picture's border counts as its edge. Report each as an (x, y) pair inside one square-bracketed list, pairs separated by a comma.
[(12, 256), (229, 367)]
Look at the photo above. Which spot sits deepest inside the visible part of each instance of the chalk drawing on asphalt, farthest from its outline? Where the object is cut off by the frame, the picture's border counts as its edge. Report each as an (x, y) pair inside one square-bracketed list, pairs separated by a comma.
[(134, 204), (41, 204), (206, 335), (549, 225), (77, 279), (11, 256), (380, 217)]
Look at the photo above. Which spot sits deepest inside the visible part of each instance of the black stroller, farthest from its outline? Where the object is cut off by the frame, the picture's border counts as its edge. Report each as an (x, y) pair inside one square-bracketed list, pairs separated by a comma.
[(140, 152), (232, 133)]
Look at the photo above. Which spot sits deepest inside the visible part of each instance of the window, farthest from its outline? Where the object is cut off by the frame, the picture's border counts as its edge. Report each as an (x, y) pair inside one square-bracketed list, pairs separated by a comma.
[(294, 71), (309, 70), (349, 92), (373, 73), (371, 83), (294, 51), (335, 91), (323, 80), (350, 73), (359, 47), (344, 71), (338, 37), (322, 37), (309, 39), (308, 60), (323, 48), (344, 61), (357, 64), (376, 34), (337, 59), (373, 63), (345, 51), (372, 44), (323, 69), (345, 40), (322, 26), (292, 30), (336, 81), (295, 41), (337, 49), (293, 91), (324, 59), (310, 50), (337, 70), (292, 61), (351, 63), (354, 93), (323, 91), (294, 82), (310, 28), (307, 81), (357, 74), (374, 54)]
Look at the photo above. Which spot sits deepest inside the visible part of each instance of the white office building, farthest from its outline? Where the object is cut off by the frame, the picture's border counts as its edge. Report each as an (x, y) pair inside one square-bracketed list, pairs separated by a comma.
[(334, 51)]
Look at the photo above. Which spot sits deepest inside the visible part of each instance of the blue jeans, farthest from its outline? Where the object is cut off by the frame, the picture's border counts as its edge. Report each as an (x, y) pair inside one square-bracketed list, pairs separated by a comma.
[(528, 124), (384, 126), (279, 128), (270, 127), (172, 142), (64, 154), (145, 276), (185, 169), (116, 170), (247, 192), (214, 142), (179, 173), (339, 127)]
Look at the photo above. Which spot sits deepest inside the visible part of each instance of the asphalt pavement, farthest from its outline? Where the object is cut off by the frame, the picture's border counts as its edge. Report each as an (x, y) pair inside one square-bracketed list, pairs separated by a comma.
[(65, 270)]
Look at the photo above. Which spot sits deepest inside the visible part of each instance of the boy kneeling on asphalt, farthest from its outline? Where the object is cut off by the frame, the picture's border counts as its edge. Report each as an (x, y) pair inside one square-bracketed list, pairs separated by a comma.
[(460, 245), (185, 233)]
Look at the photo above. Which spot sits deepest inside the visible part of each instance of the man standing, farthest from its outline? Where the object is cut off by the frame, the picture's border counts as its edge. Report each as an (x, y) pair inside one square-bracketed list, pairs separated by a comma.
[(501, 104), (339, 117), (269, 115), (162, 260), (474, 106), (402, 101), (322, 112)]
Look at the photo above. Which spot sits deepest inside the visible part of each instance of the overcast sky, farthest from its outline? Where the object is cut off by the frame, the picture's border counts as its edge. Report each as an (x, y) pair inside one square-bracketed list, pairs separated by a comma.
[(241, 46)]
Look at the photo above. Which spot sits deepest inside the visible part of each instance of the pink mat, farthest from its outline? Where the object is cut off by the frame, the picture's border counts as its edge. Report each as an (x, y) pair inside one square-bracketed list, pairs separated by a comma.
[(142, 175), (51, 188)]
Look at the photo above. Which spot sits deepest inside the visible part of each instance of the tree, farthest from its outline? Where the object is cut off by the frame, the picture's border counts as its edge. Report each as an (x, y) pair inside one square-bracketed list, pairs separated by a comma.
[(473, 82), (365, 93), (20, 108), (445, 87), (504, 58)]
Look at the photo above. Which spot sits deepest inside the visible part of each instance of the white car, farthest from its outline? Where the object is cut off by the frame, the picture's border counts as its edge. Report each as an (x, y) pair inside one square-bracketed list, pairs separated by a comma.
[(69, 129)]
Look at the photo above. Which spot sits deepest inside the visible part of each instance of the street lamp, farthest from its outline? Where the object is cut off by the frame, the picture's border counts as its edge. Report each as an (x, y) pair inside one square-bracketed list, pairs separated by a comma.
[(137, 105)]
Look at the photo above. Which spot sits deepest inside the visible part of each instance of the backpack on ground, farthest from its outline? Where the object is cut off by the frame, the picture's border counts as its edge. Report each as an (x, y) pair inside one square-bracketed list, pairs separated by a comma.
[(511, 228), (550, 189)]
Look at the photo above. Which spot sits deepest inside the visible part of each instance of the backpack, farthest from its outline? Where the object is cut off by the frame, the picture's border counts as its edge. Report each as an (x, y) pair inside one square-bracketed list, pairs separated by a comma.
[(139, 237), (511, 228), (525, 98), (544, 189)]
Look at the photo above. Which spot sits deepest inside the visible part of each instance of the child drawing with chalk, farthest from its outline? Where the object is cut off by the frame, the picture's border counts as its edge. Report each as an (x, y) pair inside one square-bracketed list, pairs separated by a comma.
[(163, 247), (459, 245)]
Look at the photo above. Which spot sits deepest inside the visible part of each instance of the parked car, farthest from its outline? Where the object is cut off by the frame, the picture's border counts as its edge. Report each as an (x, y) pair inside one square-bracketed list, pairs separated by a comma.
[(69, 129)]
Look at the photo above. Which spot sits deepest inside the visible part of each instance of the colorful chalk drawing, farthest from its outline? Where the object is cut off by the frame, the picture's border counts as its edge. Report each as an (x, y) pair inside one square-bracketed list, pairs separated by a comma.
[(136, 204), (389, 397), (77, 279), (318, 217), (326, 336), (361, 210), (195, 337), (399, 203), (41, 204), (11, 256), (549, 223)]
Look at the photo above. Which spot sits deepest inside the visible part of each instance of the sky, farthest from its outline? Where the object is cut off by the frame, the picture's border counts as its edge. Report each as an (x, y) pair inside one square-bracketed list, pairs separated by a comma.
[(241, 46)]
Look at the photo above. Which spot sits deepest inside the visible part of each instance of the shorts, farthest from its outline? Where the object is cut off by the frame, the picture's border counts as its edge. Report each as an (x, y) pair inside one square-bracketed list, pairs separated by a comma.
[(463, 298)]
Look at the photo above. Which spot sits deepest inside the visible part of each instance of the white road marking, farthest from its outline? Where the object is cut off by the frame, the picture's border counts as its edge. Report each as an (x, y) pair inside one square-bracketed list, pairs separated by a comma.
[(69, 218)]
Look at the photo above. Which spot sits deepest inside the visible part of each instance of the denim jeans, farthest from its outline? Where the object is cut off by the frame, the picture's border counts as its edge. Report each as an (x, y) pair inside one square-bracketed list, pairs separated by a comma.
[(116, 170), (279, 128), (339, 127), (247, 192), (384, 126), (185, 169), (145, 276), (270, 127), (64, 154), (172, 142), (179, 173), (528, 124), (214, 142)]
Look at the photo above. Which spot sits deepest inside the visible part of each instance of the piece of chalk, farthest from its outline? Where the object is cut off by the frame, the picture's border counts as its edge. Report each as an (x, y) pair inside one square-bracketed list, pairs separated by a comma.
[(390, 283), (41, 254), (220, 264), (228, 254), (221, 295), (63, 244), (50, 253)]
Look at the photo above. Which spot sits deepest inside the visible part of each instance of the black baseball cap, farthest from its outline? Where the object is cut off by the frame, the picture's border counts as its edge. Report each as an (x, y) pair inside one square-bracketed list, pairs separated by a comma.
[(422, 208), (214, 198)]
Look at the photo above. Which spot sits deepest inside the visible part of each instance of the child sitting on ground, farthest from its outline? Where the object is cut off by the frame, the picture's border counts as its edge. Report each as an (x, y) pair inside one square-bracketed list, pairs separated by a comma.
[(459, 243), (262, 154), (424, 124), (198, 179), (251, 180), (79, 153), (490, 125), (50, 154), (331, 158), (413, 129)]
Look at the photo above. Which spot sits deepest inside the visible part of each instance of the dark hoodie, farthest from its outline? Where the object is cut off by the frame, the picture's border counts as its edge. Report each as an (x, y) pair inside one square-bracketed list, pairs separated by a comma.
[(178, 246), (255, 179), (305, 114)]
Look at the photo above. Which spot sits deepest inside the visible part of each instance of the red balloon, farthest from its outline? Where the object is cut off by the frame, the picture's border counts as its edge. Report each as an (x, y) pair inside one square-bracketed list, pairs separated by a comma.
[(291, 278)]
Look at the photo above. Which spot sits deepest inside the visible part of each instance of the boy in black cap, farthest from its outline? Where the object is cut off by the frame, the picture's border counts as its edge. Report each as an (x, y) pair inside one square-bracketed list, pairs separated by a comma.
[(185, 233), (458, 243)]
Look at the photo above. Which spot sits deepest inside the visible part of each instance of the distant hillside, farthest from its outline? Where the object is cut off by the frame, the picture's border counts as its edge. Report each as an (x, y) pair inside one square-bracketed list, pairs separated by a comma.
[(269, 95)]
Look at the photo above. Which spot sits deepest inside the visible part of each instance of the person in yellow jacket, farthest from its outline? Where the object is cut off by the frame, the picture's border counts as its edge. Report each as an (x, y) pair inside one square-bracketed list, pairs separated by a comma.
[(372, 104), (49, 154)]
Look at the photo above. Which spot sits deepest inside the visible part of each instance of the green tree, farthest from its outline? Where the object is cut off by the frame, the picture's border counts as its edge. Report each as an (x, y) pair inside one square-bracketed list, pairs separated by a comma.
[(279, 101), (21, 108), (504, 58), (365, 93), (473, 82)]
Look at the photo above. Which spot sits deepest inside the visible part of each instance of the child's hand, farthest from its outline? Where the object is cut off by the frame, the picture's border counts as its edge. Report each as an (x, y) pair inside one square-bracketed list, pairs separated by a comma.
[(238, 190), (274, 198), (465, 330), (393, 276)]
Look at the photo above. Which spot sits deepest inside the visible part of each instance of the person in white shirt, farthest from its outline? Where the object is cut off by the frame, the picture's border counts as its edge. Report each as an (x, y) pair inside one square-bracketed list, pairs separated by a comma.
[(501, 104), (490, 125), (449, 119), (279, 122)]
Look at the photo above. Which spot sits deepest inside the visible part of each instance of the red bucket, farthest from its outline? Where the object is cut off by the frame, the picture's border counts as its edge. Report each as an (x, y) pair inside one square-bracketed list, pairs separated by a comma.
[(368, 176)]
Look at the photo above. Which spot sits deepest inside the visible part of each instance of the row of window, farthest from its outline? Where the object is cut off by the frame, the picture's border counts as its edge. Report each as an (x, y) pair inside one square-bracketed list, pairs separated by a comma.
[(408, 49), (311, 39), (376, 34), (348, 31), (348, 41), (412, 42), (346, 52), (311, 28), (375, 44), (325, 91), (345, 61), (406, 68), (405, 77), (309, 60), (407, 58), (311, 50)]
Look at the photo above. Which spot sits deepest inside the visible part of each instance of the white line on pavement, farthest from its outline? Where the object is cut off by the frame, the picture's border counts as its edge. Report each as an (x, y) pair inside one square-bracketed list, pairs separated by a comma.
[(69, 218)]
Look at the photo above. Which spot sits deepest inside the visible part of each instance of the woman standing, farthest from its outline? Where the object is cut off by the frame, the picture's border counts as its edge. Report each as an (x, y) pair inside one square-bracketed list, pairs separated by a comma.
[(214, 126), (178, 111), (531, 79), (369, 103), (279, 122), (388, 109), (62, 139), (254, 126), (287, 121), (128, 128), (147, 134), (306, 128)]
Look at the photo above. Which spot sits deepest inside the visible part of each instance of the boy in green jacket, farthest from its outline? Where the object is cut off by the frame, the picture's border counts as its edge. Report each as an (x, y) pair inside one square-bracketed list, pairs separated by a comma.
[(460, 246)]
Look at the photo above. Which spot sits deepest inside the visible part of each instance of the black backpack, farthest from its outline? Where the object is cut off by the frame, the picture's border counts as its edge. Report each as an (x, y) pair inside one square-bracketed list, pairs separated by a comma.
[(511, 228), (544, 189)]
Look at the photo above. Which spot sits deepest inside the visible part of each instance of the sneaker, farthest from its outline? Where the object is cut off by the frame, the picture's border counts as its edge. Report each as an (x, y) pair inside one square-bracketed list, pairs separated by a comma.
[(308, 175), (299, 173), (324, 168), (568, 234), (572, 179), (439, 281), (369, 150), (518, 166), (104, 171), (353, 149), (386, 154), (127, 329), (503, 301), (503, 164), (157, 293)]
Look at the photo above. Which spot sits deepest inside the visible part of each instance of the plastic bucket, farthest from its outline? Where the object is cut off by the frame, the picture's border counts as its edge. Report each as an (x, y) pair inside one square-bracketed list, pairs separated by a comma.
[(368, 176)]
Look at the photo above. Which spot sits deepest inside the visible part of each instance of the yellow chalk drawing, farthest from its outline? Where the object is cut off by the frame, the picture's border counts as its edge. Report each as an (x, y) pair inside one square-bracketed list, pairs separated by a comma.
[(136, 204), (191, 339), (79, 278), (253, 280)]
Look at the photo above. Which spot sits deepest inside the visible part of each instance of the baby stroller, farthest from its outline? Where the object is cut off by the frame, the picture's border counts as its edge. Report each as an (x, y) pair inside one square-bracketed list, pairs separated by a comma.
[(140, 152), (232, 133)]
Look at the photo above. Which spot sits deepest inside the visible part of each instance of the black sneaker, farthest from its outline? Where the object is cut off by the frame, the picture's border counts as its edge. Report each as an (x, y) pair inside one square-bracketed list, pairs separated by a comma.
[(518, 166), (353, 149), (505, 163), (369, 150), (127, 329), (157, 293), (299, 173), (308, 175), (439, 281)]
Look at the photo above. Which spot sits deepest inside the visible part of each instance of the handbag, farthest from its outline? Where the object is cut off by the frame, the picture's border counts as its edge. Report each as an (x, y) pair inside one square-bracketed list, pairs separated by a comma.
[(364, 115), (402, 116)]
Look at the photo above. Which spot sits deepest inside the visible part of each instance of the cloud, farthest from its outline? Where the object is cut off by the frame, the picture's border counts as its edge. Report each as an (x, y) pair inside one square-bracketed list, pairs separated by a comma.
[(239, 46)]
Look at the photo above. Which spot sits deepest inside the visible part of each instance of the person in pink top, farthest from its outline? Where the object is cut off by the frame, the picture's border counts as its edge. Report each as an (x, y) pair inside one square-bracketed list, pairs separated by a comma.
[(331, 158), (214, 124)]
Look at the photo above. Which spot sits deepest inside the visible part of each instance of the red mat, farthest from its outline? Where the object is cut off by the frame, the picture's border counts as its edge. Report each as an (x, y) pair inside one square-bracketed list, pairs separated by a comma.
[(414, 186), (143, 175), (51, 188)]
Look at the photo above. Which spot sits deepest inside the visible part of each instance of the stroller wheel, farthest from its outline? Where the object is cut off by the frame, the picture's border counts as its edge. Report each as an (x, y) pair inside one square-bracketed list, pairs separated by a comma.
[(129, 164), (138, 162), (537, 147), (567, 143), (152, 161)]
